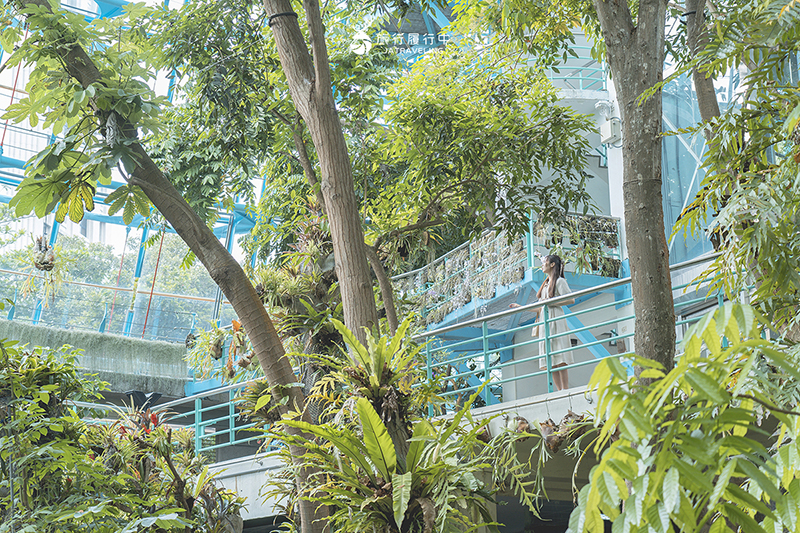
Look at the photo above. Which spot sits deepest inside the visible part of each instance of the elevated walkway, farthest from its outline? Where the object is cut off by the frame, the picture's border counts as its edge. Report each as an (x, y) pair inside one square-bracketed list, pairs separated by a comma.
[(495, 350), (498, 349)]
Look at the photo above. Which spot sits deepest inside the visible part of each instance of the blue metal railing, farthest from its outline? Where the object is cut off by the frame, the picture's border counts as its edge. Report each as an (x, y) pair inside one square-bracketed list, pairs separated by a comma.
[(466, 356), (211, 415), (104, 308), (485, 350), (579, 73)]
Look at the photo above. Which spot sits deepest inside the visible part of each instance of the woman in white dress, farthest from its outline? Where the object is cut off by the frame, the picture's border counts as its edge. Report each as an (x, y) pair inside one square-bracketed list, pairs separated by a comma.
[(555, 285)]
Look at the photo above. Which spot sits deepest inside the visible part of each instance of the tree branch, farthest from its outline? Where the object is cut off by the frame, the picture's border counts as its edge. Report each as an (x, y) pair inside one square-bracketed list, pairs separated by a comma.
[(319, 50), (696, 38), (438, 196), (615, 20), (767, 405), (385, 284), (405, 229)]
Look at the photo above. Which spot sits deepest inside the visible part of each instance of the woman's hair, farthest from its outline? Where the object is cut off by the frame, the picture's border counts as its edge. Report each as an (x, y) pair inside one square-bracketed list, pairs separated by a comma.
[(558, 272)]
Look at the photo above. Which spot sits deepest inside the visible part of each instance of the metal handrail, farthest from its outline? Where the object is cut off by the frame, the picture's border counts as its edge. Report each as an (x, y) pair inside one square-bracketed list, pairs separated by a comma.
[(465, 361)]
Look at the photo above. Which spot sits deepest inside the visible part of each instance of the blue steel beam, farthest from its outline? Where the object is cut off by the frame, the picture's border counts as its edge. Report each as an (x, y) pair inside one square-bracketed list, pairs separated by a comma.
[(110, 8), (136, 275), (9, 162), (585, 337), (54, 232)]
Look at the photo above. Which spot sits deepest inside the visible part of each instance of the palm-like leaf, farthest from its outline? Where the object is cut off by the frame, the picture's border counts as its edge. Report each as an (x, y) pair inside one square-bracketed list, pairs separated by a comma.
[(377, 440)]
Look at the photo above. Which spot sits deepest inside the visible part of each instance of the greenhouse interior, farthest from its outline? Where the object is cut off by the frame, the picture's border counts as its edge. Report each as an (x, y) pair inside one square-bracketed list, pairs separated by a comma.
[(401, 267)]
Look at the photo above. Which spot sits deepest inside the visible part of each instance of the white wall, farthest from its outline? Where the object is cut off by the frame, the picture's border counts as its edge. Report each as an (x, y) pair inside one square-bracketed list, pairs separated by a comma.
[(527, 387)]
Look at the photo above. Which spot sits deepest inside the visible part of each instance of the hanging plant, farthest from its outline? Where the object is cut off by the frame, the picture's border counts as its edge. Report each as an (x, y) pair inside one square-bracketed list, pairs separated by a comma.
[(44, 256), (45, 263), (225, 353)]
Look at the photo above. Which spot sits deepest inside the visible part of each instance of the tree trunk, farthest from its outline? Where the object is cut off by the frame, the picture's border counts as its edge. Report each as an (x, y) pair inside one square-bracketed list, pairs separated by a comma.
[(223, 268), (636, 57), (310, 86), (231, 279), (703, 84), (385, 284)]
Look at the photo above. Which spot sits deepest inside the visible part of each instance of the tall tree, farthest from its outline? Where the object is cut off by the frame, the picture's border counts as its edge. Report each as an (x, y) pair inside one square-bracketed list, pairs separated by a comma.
[(748, 200), (635, 52), (309, 77), (112, 102), (632, 35)]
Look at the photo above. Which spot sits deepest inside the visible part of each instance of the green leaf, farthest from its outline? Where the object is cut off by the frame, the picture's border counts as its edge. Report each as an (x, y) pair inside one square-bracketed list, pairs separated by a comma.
[(423, 433), (793, 119), (37, 195), (705, 386), (401, 494), (61, 212), (116, 194), (616, 368), (671, 490), (756, 475), (738, 516), (738, 496), (118, 204), (129, 212), (362, 357), (86, 193), (456, 421), (201, 481), (262, 401), (722, 481), (376, 439), (608, 489), (141, 201), (75, 210), (347, 445)]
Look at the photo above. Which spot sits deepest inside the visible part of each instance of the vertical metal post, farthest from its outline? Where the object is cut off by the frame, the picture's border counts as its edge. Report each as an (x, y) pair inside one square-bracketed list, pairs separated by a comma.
[(486, 374), (104, 320), (136, 275), (429, 369), (54, 231), (548, 360), (198, 419), (529, 239), (37, 312), (720, 303), (13, 306), (231, 418)]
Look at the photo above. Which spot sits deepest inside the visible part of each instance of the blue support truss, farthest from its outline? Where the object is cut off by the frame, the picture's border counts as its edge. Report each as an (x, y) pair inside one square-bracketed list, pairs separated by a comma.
[(126, 330)]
